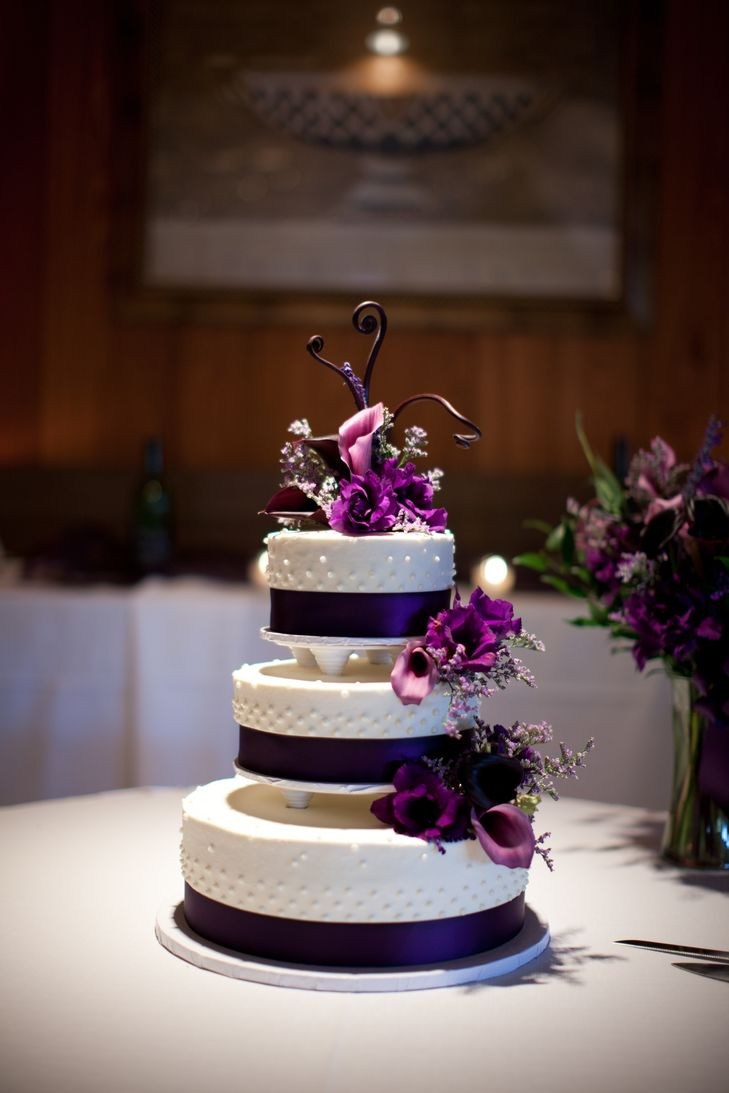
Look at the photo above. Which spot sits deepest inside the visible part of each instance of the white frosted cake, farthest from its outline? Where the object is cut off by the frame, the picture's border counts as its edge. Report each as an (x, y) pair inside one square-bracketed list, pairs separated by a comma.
[(332, 885), (374, 820)]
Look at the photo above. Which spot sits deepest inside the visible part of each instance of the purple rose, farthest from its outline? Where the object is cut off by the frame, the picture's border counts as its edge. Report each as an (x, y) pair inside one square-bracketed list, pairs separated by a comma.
[(506, 834), (415, 493), (423, 806), (365, 505), (355, 438), (462, 632), (414, 674)]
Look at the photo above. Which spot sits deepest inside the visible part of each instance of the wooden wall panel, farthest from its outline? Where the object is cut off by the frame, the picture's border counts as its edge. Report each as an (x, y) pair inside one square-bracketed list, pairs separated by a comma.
[(689, 354), (75, 379), (83, 387), (23, 90)]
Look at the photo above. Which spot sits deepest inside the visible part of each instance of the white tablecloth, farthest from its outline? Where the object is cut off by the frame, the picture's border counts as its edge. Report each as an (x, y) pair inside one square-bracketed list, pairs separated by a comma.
[(91, 1002), (106, 688)]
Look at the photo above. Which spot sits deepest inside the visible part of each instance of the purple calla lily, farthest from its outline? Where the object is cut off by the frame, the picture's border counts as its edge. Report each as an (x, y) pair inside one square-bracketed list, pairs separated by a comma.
[(506, 834), (290, 502), (414, 674), (355, 438)]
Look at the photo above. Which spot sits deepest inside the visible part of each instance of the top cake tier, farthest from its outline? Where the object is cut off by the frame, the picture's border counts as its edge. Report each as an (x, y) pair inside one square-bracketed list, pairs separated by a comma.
[(328, 584)]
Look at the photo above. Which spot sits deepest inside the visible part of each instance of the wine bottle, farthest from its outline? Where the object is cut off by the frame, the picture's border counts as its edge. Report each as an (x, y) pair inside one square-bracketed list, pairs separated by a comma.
[(153, 514)]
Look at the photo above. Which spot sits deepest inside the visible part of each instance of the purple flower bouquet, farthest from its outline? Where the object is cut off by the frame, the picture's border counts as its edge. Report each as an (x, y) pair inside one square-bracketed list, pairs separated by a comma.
[(649, 558)]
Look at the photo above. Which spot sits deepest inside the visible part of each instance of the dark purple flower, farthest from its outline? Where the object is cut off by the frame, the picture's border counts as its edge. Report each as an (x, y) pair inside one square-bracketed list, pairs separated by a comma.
[(355, 438), (715, 482), (506, 834), (675, 619), (709, 519), (490, 780), (423, 806), (497, 614), (414, 674), (366, 504), (461, 631), (604, 542), (415, 493)]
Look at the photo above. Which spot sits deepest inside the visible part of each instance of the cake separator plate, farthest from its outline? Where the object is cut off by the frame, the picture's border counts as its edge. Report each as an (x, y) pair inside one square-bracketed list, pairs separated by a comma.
[(298, 794), (175, 935), (330, 655)]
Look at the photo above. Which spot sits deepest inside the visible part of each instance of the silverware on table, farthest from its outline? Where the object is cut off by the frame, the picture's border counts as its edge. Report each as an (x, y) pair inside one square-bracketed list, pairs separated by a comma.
[(712, 971), (720, 956)]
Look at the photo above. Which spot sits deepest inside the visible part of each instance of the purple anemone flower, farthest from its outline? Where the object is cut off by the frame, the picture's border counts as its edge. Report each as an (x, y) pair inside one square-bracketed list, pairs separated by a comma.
[(497, 614), (461, 631), (423, 806)]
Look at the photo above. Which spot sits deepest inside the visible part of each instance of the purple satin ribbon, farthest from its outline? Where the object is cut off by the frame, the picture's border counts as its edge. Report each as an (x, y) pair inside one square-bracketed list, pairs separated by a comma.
[(327, 759), (352, 944), (354, 614)]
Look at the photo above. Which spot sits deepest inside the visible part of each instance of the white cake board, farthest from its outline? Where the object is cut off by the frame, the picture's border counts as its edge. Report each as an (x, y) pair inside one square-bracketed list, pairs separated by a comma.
[(175, 935)]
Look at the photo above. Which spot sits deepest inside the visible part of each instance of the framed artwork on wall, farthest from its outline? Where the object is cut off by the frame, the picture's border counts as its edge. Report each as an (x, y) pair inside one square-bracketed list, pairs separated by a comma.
[(473, 162)]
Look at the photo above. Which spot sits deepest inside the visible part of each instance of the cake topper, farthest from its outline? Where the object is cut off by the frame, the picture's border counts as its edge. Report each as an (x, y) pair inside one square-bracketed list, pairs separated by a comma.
[(367, 324), (356, 481)]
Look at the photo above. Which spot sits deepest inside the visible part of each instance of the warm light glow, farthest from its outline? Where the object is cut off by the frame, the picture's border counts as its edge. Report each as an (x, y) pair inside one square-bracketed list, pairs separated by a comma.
[(495, 569), (258, 570), (386, 76), (389, 17), (386, 42), (494, 574)]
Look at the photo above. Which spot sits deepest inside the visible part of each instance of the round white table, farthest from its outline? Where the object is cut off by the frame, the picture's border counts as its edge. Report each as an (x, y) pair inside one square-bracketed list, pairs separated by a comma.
[(91, 1002)]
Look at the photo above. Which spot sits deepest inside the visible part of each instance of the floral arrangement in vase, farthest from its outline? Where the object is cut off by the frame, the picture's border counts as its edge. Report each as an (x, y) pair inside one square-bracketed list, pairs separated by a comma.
[(649, 559)]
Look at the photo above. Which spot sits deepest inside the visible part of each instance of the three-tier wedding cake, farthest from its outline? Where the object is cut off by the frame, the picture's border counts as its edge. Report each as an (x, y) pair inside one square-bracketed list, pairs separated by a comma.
[(374, 820)]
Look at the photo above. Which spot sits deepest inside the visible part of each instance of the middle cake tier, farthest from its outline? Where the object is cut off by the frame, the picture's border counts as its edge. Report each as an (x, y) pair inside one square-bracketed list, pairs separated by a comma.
[(351, 728)]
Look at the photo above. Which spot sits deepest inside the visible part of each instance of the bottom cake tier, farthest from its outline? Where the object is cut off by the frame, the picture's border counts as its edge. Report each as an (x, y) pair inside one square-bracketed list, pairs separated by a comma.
[(339, 889)]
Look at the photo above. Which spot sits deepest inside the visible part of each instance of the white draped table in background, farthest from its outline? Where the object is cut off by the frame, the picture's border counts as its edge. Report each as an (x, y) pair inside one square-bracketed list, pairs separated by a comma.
[(91, 1003), (105, 688)]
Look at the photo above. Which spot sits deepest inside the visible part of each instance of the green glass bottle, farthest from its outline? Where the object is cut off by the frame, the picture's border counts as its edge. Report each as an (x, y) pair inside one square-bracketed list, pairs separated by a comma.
[(153, 514)]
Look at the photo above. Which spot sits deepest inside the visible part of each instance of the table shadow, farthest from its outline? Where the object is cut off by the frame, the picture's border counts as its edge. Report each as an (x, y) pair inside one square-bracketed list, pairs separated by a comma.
[(642, 835), (564, 959)]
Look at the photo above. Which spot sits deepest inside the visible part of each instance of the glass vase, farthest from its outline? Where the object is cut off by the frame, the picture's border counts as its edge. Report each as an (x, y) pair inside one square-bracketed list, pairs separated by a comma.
[(697, 829)]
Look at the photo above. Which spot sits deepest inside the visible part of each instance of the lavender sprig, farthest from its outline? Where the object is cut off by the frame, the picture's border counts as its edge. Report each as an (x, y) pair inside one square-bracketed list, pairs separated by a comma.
[(712, 436), (415, 444)]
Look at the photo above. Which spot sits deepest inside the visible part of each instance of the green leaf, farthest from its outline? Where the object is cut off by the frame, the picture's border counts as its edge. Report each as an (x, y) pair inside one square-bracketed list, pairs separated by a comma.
[(608, 489), (724, 561), (538, 525), (568, 544), (531, 560), (585, 620), (562, 586), (581, 574), (555, 537)]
